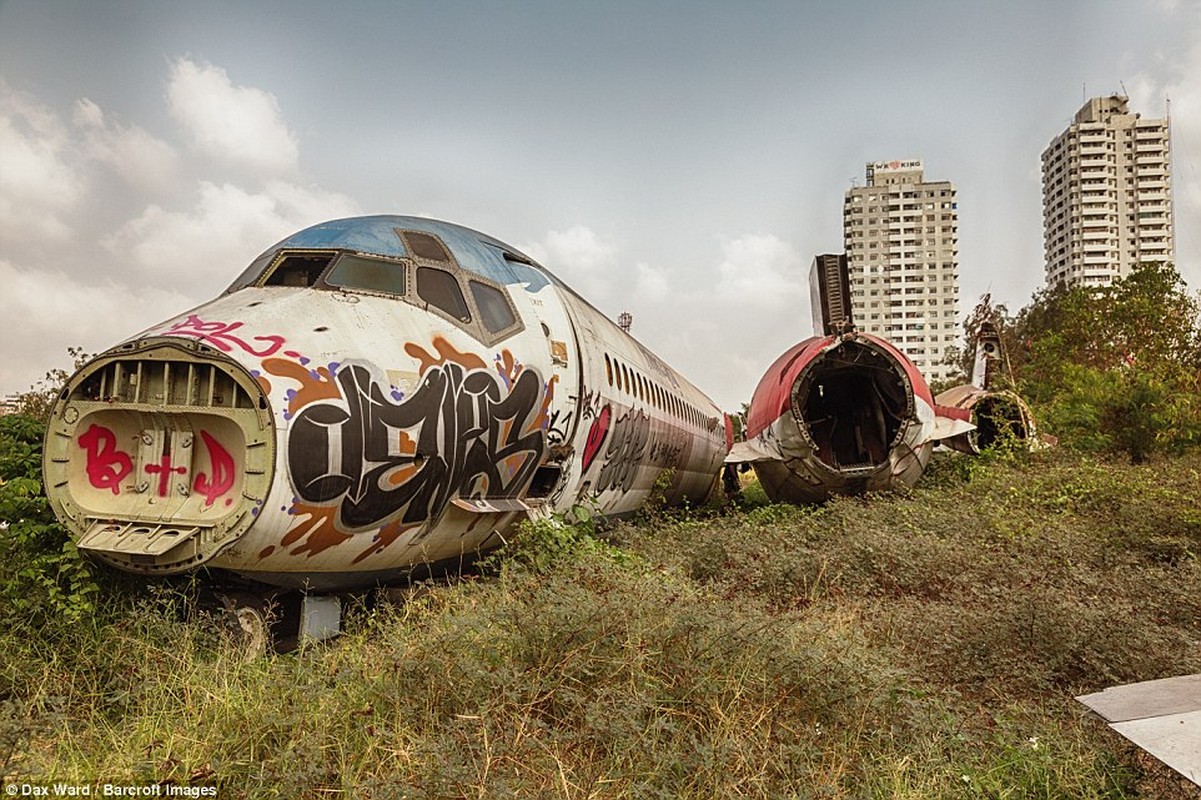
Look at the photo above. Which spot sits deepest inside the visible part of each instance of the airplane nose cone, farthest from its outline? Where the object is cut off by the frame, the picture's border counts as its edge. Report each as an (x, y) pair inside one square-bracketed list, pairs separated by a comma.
[(159, 454)]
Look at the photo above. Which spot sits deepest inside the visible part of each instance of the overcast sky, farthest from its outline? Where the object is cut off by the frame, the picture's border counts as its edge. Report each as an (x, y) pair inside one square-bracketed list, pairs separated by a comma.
[(683, 161)]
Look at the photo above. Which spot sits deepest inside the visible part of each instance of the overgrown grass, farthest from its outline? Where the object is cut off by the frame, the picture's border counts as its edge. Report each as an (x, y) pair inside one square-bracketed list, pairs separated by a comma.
[(925, 645)]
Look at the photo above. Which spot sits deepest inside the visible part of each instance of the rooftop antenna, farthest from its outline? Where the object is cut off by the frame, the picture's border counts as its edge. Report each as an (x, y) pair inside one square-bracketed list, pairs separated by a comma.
[(1125, 93)]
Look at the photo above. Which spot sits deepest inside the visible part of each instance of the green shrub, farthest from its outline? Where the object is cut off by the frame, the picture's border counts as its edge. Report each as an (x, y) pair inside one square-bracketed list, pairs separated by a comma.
[(42, 574)]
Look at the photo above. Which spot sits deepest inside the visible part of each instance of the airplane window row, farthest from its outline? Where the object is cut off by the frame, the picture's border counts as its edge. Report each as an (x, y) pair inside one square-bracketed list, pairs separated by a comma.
[(630, 381)]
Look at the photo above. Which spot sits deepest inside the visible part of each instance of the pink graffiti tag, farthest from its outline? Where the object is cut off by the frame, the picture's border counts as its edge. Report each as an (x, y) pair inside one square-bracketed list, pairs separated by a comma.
[(164, 470), (106, 465), (220, 335), (223, 471)]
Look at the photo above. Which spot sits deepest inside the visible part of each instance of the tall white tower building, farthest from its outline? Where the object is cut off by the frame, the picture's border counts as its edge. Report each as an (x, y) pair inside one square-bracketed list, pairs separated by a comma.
[(1107, 194), (901, 237)]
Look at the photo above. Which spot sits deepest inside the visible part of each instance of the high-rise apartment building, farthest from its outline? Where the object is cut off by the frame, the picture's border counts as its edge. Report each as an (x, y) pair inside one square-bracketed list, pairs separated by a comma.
[(901, 236), (1107, 194)]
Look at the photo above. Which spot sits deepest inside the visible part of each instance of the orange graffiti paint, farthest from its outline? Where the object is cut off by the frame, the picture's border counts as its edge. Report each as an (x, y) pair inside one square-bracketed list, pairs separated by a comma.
[(315, 526), (321, 387), (446, 352), (543, 417), (387, 535), (508, 368)]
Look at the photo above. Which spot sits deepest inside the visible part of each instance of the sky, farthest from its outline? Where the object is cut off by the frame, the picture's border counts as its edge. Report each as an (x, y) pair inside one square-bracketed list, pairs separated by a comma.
[(683, 161)]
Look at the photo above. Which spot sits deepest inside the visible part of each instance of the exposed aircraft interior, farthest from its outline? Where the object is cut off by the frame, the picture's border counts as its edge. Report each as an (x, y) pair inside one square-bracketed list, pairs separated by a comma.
[(997, 419), (852, 402)]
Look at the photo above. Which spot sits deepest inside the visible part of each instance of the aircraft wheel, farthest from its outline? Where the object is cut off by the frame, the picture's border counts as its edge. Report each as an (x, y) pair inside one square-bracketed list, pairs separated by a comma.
[(247, 619)]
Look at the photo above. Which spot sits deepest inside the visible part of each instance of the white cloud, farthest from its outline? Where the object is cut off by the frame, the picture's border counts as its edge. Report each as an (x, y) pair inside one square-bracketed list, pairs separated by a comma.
[(239, 124), (39, 180), (652, 284), (141, 160), (56, 312), (581, 259), (175, 249), (762, 268), (204, 247)]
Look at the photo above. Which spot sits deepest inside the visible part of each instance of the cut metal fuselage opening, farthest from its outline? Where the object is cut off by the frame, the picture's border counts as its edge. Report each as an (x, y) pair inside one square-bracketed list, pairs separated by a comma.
[(852, 402), (999, 418)]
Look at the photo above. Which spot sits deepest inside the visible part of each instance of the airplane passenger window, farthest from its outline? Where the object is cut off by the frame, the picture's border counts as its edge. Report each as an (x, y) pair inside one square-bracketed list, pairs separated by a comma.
[(493, 306), (371, 274), (608, 369), (441, 290)]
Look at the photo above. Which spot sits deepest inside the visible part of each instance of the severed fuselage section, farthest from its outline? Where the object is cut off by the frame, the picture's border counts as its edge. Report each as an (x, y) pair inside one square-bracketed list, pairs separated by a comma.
[(1000, 415), (842, 414)]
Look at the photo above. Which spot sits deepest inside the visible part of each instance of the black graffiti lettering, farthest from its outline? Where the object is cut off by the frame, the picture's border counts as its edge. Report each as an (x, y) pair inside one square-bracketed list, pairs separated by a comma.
[(470, 439), (625, 453), (488, 448), (665, 452), (559, 425)]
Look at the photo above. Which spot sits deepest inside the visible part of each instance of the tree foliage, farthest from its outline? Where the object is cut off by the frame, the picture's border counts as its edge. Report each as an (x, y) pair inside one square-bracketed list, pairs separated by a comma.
[(39, 400), (1113, 368)]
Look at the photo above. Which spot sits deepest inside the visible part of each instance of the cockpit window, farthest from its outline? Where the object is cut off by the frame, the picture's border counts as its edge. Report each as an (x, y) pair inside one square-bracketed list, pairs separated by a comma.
[(299, 270), (426, 246), (441, 290), (369, 274), (251, 273), (494, 308)]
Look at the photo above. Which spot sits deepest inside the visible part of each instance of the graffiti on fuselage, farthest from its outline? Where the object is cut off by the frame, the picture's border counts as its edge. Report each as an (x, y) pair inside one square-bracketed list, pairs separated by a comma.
[(666, 451), (622, 445), (596, 437), (106, 465), (221, 335), (626, 451), (558, 426), (465, 432)]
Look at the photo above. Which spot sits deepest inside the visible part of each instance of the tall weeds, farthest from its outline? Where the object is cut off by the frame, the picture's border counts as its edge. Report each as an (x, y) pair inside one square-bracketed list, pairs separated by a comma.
[(925, 645)]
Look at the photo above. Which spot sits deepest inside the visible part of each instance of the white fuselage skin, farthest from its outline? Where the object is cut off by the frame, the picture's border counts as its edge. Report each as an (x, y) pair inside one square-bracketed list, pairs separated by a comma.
[(401, 441)]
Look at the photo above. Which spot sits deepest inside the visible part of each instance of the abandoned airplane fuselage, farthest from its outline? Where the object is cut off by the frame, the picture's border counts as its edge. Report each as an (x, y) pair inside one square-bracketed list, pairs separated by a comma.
[(372, 396)]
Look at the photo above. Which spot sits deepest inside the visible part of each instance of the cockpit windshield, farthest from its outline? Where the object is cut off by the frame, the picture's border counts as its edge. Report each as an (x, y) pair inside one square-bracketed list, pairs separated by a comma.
[(302, 269), (472, 302), (369, 274)]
